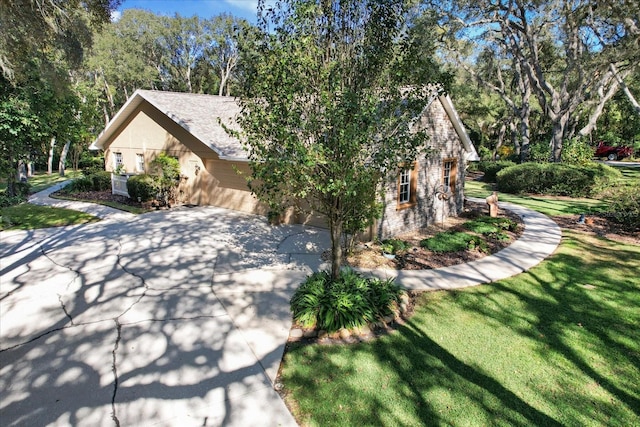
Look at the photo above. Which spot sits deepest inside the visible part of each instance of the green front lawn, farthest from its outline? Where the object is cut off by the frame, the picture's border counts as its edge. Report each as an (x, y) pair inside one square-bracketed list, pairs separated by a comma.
[(558, 345), (548, 205), (26, 216), (41, 180)]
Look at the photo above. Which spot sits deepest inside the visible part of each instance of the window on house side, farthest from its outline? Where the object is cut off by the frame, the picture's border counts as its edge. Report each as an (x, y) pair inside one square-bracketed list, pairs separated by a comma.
[(117, 161), (449, 172), (404, 191), (407, 180), (140, 162)]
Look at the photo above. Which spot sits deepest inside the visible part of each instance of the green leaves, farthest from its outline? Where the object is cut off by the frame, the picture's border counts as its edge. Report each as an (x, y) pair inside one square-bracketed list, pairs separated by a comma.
[(348, 302), (324, 116)]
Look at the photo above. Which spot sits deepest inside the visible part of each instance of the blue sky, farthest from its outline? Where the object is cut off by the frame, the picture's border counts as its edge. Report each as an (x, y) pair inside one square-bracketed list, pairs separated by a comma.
[(204, 8)]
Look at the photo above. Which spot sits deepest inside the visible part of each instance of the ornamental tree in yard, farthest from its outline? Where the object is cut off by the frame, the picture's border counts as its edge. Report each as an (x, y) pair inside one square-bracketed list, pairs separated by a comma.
[(329, 95)]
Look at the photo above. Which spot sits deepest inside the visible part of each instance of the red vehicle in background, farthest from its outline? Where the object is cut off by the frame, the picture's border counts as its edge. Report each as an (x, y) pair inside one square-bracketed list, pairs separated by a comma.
[(613, 153)]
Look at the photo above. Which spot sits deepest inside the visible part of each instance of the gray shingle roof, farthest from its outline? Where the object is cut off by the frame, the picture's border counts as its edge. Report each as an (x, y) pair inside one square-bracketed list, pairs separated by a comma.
[(200, 115)]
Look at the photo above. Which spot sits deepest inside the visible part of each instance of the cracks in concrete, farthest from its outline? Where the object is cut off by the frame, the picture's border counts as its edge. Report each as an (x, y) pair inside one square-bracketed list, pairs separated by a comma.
[(64, 308), (74, 271), (114, 368), (137, 276)]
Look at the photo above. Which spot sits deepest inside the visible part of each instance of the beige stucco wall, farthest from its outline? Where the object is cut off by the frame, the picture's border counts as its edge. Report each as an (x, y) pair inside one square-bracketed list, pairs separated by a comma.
[(444, 143), (207, 179)]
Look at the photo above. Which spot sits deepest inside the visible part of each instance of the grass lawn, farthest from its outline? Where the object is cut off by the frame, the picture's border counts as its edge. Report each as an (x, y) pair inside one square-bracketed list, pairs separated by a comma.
[(26, 216), (558, 345), (548, 205), (41, 180)]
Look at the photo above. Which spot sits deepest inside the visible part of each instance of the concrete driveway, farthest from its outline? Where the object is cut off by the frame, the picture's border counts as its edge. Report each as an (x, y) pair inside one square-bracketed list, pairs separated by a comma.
[(173, 318)]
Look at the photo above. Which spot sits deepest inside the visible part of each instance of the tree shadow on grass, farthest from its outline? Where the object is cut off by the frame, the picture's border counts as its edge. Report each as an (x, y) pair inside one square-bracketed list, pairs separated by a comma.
[(581, 314), (565, 335)]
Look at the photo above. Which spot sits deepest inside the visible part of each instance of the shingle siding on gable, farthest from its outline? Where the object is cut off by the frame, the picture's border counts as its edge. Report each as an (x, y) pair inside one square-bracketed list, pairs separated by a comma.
[(429, 208)]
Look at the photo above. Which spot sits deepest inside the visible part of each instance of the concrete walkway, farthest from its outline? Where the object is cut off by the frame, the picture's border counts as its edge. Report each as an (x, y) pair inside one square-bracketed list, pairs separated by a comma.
[(175, 317), (103, 212), (540, 239)]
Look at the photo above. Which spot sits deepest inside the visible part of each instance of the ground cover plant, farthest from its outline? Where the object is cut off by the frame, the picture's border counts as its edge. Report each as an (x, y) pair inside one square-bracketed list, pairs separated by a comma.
[(558, 345), (466, 238), (557, 179), (348, 302), (105, 198), (452, 241)]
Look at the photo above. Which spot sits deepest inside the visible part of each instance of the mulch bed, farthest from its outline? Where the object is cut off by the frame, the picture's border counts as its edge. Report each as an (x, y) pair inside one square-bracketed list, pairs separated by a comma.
[(369, 255), (599, 226), (103, 196)]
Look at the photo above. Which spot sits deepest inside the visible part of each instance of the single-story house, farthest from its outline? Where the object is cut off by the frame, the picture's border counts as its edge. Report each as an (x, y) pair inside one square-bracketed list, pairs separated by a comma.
[(187, 126)]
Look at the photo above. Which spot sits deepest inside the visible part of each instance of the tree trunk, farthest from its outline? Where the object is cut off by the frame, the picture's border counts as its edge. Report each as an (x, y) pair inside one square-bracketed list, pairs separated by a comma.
[(336, 247), (625, 88), (63, 157), (525, 142), (604, 98), (559, 129), (501, 133), (513, 131), (223, 82), (50, 160), (22, 171)]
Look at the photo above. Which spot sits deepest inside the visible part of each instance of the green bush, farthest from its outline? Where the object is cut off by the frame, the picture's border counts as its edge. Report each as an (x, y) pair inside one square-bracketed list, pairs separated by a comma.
[(490, 168), (453, 241), (350, 302), (21, 189), (539, 152), (142, 187), (90, 161), (101, 181), (577, 151), (393, 246), (557, 179), (624, 205), (80, 184), (6, 200), (167, 169)]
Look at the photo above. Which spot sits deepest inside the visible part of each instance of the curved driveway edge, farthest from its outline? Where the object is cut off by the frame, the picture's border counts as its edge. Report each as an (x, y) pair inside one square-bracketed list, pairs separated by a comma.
[(540, 239)]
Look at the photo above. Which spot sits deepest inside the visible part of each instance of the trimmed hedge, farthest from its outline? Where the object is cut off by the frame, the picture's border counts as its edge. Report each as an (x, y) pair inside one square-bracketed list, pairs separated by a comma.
[(101, 181), (557, 179), (97, 181), (142, 187), (80, 185), (491, 168)]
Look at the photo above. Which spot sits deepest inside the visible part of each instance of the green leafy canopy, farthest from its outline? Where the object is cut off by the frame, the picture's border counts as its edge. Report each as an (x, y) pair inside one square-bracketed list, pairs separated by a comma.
[(327, 105)]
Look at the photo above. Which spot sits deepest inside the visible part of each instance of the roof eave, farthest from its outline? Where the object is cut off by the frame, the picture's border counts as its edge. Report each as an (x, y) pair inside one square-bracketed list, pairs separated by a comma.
[(471, 153), (132, 103)]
